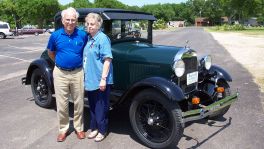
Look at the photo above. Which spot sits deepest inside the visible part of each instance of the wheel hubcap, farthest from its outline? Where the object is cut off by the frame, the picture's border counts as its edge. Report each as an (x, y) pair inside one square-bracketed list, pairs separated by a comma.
[(41, 89), (150, 121)]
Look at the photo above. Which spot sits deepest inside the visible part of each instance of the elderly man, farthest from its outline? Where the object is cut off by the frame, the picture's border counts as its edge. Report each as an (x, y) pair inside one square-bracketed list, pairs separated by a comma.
[(65, 48)]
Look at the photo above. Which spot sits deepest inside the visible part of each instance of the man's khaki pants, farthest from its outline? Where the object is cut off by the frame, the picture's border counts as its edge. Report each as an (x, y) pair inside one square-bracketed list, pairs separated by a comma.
[(69, 84)]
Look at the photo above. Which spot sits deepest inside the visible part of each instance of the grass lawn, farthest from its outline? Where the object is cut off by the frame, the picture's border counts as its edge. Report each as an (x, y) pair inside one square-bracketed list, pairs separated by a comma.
[(247, 31)]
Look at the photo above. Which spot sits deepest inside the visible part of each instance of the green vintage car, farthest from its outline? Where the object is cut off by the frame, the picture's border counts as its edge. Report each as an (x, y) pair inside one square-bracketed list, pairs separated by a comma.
[(164, 86)]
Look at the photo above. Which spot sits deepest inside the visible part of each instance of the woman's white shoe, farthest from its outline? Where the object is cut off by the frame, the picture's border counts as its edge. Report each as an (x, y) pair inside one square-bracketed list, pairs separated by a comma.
[(93, 134), (99, 137)]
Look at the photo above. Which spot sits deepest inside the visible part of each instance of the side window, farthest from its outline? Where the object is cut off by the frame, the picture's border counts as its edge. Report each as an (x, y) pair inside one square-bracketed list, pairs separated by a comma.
[(4, 26), (116, 29)]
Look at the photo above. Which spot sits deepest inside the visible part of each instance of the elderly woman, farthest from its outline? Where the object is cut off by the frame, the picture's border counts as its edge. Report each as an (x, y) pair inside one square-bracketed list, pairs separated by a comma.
[(98, 71)]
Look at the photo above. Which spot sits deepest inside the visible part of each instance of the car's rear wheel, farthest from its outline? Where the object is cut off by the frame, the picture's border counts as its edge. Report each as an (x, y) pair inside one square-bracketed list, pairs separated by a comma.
[(36, 34), (41, 91), (156, 120), (2, 36)]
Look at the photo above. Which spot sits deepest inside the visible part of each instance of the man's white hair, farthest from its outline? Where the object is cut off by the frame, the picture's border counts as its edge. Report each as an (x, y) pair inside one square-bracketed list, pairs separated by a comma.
[(69, 10)]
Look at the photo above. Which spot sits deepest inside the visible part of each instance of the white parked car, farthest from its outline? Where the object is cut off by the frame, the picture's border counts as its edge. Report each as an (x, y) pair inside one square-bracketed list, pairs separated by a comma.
[(51, 30), (5, 30)]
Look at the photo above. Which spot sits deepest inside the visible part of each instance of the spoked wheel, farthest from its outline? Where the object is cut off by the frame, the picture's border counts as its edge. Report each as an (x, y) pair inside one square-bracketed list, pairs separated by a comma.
[(156, 120), (40, 89), (153, 121)]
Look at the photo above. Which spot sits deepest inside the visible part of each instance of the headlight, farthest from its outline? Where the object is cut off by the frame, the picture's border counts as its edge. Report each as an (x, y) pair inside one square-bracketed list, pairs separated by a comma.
[(179, 68), (208, 62)]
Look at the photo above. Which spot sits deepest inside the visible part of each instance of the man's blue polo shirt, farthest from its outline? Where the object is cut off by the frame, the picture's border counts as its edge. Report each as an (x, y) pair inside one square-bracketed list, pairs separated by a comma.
[(96, 50), (68, 48)]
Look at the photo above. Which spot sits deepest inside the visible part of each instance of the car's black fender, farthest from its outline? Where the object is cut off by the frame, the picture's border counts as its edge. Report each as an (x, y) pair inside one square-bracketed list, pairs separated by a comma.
[(45, 67), (220, 73), (166, 87)]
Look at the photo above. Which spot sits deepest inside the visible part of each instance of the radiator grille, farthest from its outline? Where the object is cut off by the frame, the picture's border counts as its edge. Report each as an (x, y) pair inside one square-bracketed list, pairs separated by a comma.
[(191, 65)]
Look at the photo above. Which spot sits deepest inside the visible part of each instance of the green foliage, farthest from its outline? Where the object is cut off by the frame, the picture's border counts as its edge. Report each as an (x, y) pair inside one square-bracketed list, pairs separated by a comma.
[(226, 27), (41, 12), (35, 11), (159, 24), (22, 12), (143, 24), (134, 8), (8, 11), (80, 4), (164, 12), (261, 20), (109, 4)]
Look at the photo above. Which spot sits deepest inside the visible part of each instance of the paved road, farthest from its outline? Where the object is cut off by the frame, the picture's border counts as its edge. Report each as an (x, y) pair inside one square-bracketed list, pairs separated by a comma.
[(25, 125)]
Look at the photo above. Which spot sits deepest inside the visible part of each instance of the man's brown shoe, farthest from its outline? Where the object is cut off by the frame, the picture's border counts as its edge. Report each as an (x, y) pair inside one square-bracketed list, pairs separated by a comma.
[(80, 135), (61, 137)]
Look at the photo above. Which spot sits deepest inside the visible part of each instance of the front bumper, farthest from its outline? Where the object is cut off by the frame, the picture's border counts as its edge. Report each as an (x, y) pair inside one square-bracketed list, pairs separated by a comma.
[(208, 110)]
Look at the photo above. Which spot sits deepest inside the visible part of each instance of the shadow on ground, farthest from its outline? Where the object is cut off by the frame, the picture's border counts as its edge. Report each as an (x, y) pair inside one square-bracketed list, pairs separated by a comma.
[(119, 123)]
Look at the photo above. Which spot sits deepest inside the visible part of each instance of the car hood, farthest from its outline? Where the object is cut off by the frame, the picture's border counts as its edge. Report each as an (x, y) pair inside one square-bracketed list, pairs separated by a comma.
[(144, 52)]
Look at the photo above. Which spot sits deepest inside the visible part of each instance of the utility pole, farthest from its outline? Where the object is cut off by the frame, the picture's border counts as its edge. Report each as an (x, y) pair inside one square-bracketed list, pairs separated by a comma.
[(15, 24)]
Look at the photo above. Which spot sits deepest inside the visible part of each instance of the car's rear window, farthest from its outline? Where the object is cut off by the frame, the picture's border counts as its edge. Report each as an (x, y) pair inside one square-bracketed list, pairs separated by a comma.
[(3, 26), (122, 29)]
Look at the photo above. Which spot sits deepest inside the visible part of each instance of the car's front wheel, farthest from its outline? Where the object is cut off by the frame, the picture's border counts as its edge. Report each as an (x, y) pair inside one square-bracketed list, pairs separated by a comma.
[(156, 120), (36, 34), (2, 36), (41, 91)]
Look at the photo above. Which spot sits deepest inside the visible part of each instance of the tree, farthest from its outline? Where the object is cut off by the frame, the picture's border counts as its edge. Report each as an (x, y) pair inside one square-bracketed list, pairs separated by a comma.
[(239, 9), (160, 11), (213, 11), (134, 8), (81, 4), (8, 12), (38, 12), (109, 4), (260, 11), (182, 13), (41, 12)]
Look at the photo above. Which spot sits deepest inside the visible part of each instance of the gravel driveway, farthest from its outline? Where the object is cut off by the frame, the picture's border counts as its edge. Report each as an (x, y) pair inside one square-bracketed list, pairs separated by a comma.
[(248, 50)]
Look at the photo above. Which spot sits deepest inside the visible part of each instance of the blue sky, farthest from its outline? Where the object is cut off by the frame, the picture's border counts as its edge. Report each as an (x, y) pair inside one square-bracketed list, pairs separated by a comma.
[(135, 2)]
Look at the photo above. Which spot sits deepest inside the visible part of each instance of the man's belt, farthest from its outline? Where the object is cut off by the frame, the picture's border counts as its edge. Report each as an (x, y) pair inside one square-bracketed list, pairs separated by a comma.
[(68, 69)]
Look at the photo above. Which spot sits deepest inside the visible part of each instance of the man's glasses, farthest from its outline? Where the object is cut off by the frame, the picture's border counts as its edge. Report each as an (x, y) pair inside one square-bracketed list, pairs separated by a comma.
[(70, 20)]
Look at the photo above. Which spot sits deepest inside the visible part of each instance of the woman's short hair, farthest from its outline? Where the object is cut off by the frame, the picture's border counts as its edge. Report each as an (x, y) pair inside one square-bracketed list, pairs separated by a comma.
[(96, 17), (69, 10)]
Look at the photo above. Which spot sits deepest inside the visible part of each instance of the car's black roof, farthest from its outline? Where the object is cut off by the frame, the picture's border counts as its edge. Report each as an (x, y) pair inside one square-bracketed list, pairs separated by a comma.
[(113, 14)]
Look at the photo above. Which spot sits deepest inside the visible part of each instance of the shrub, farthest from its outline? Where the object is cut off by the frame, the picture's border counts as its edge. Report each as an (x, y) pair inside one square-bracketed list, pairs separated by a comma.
[(226, 27), (237, 27), (159, 24)]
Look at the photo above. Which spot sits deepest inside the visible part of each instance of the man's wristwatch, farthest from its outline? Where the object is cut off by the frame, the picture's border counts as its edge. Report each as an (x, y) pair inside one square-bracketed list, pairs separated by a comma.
[(103, 78)]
